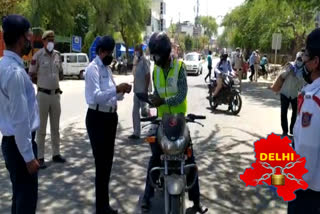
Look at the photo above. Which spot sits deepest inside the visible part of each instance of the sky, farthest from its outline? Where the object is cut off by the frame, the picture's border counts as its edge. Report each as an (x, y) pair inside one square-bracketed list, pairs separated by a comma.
[(215, 8)]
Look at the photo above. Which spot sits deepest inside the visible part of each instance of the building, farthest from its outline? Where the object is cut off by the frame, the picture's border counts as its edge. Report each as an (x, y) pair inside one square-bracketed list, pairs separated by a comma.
[(186, 28), (157, 20)]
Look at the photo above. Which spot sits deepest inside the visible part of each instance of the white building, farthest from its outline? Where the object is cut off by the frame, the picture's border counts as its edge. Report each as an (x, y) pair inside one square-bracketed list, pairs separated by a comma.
[(157, 21), (186, 28)]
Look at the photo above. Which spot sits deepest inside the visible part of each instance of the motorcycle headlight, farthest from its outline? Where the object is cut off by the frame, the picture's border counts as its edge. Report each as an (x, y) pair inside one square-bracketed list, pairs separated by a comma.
[(173, 147)]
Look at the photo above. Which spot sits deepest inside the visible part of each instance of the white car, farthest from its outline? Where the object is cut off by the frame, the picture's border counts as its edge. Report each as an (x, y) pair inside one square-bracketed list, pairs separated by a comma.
[(193, 63), (74, 64)]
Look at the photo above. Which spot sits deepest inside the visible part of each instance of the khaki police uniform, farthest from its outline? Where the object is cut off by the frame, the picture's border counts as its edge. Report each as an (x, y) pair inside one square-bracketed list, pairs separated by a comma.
[(47, 69)]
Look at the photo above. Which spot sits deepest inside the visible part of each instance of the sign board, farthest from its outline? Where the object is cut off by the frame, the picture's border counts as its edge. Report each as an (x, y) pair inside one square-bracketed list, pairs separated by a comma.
[(92, 51), (276, 41), (76, 43)]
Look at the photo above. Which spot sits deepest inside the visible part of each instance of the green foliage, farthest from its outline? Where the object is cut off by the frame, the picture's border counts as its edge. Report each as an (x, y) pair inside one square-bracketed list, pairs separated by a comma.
[(188, 42), (210, 25), (252, 24)]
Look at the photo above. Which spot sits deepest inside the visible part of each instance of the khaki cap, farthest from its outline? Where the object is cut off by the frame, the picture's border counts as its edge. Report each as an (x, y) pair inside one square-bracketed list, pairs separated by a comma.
[(48, 33)]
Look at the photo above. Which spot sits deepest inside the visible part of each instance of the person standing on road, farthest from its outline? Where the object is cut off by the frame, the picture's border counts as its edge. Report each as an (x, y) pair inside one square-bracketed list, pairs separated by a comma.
[(19, 116), (238, 64), (102, 94), (252, 60), (170, 93), (306, 130), (292, 84), (209, 60), (264, 64), (257, 66), (141, 85), (46, 71)]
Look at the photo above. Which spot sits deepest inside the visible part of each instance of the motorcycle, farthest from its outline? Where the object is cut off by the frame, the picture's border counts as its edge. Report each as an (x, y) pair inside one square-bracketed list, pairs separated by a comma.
[(173, 136), (229, 94)]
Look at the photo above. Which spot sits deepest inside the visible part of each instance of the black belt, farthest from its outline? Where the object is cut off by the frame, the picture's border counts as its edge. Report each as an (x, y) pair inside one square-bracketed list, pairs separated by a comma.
[(48, 91)]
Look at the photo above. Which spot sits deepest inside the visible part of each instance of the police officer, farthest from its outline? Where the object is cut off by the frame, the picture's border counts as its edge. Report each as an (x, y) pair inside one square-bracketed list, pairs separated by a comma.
[(170, 93), (46, 70), (19, 117), (102, 94), (306, 130)]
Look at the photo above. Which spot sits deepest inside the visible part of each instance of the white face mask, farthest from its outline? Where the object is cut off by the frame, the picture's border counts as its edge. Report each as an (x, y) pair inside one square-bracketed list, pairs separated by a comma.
[(50, 46)]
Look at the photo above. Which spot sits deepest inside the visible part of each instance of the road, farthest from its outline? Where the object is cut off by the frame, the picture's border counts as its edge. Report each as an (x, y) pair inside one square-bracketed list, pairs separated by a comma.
[(223, 149)]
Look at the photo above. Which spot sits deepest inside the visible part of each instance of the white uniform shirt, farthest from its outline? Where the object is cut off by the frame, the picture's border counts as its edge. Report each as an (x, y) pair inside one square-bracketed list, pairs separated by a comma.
[(307, 132), (19, 114), (100, 87)]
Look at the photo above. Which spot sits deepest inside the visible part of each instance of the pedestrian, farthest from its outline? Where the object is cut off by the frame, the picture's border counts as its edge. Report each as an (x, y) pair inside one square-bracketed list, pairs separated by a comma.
[(209, 60), (46, 71), (264, 64), (306, 130), (19, 116), (252, 60), (101, 94), (140, 85), (292, 84), (257, 65), (238, 64)]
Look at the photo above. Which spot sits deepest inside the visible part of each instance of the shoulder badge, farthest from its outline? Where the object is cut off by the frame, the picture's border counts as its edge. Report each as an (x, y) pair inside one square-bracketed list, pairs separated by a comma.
[(306, 119)]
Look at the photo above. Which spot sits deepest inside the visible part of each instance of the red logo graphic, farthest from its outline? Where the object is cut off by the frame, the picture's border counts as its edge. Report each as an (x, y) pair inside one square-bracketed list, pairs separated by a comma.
[(277, 164)]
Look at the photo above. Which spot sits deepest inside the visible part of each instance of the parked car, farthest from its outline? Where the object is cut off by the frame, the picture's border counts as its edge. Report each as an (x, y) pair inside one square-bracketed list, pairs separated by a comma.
[(74, 64), (193, 63)]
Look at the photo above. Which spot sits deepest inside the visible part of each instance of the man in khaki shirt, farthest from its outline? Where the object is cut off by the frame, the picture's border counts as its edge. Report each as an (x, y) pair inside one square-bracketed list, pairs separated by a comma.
[(46, 71)]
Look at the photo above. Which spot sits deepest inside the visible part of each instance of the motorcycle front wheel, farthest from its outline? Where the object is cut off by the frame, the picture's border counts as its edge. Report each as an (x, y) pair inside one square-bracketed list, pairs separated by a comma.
[(176, 204), (235, 104)]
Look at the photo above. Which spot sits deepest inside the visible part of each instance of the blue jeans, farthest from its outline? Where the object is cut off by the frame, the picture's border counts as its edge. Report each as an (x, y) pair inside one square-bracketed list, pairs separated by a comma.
[(24, 185), (194, 192)]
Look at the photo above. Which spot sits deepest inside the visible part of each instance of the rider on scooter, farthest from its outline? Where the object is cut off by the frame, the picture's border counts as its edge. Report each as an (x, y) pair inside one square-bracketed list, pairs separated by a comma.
[(170, 84), (223, 67)]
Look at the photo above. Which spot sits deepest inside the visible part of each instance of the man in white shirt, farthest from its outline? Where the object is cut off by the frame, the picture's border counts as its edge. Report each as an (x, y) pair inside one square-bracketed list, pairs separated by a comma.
[(102, 94), (306, 130), (19, 117)]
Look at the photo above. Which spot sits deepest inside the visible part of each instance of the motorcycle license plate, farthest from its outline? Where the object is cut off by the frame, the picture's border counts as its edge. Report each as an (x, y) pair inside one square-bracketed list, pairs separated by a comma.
[(173, 157)]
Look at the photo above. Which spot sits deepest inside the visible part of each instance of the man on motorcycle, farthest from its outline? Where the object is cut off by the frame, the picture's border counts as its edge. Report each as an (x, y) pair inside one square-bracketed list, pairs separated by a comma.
[(223, 67), (170, 93)]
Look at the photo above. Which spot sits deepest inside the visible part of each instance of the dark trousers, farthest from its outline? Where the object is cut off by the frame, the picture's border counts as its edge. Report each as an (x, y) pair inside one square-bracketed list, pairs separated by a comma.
[(194, 192), (285, 102), (307, 201), (264, 70), (252, 72), (24, 185), (102, 129), (209, 74)]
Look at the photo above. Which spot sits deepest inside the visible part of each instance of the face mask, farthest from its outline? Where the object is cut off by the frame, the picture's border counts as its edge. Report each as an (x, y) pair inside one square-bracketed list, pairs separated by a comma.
[(107, 60), (299, 64), (50, 46), (27, 47), (306, 75)]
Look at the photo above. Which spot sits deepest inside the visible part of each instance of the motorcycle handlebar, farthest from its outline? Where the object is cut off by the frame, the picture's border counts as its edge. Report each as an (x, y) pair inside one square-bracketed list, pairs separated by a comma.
[(196, 117), (148, 119)]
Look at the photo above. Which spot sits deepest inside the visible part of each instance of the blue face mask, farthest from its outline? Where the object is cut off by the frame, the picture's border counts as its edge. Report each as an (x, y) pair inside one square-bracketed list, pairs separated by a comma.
[(299, 64)]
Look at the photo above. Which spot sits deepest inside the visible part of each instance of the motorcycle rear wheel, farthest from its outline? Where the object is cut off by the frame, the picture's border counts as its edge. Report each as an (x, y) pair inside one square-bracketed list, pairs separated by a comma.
[(212, 103)]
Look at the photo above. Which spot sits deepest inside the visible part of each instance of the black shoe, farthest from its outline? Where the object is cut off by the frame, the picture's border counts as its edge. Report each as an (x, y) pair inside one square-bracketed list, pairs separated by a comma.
[(145, 204), (42, 163), (111, 211), (58, 159), (134, 137)]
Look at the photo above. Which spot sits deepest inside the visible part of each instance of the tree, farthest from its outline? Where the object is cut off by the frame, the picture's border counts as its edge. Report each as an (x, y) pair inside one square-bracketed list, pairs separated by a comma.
[(132, 21), (8, 7), (188, 43), (210, 26), (252, 24)]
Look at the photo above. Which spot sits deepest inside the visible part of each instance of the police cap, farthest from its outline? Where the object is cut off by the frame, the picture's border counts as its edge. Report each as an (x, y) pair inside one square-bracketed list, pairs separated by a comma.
[(47, 34)]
